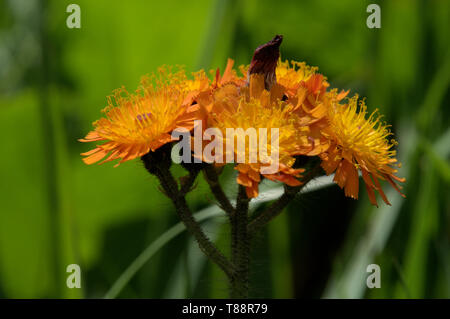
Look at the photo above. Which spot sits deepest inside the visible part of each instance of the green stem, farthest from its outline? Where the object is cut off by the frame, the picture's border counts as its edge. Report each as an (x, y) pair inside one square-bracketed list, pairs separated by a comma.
[(186, 187), (213, 182), (240, 246), (170, 186)]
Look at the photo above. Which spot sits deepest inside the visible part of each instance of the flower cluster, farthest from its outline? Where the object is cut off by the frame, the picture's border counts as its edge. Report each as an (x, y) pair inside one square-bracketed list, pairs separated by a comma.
[(312, 121)]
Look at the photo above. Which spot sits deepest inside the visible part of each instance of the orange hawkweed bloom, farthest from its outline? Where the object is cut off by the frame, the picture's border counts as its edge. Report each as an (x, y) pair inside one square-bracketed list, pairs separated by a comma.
[(359, 144), (253, 107), (135, 124)]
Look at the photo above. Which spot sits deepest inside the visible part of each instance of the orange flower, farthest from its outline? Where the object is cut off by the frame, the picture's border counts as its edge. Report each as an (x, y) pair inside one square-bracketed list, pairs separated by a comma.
[(360, 144), (135, 124), (255, 108)]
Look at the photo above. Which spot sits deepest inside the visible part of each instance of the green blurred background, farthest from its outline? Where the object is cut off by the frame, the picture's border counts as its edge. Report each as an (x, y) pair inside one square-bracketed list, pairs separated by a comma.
[(56, 211)]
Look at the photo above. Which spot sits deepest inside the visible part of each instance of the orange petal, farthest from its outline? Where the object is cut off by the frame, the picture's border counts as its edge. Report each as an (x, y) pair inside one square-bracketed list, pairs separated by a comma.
[(352, 182), (252, 191), (256, 85), (95, 150), (380, 190), (398, 179), (340, 177), (254, 175), (95, 157), (371, 193), (389, 179), (228, 73), (244, 180), (342, 94)]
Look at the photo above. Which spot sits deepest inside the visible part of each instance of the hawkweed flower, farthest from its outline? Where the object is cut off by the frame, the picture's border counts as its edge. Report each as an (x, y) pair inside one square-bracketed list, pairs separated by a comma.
[(255, 108), (135, 124), (360, 144)]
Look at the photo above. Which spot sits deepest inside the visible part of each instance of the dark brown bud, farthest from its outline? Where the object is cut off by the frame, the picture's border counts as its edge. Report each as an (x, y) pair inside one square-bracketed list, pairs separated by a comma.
[(265, 60)]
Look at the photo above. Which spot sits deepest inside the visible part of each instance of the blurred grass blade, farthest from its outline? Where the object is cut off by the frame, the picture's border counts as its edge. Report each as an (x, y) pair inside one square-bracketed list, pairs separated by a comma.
[(424, 222), (222, 22), (442, 145), (435, 95), (438, 154), (352, 282), (153, 248)]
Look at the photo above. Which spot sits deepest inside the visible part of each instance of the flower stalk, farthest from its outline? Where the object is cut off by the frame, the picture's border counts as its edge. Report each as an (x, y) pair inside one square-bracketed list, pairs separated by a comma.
[(162, 171), (212, 179), (240, 246)]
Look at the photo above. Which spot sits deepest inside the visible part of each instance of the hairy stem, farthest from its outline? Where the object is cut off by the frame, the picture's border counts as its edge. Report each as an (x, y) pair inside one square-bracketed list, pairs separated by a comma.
[(240, 246), (170, 187), (186, 186), (213, 180)]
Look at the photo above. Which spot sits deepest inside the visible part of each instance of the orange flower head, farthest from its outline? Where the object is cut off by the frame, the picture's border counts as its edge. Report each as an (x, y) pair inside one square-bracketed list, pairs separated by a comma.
[(135, 124), (251, 109), (359, 144)]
